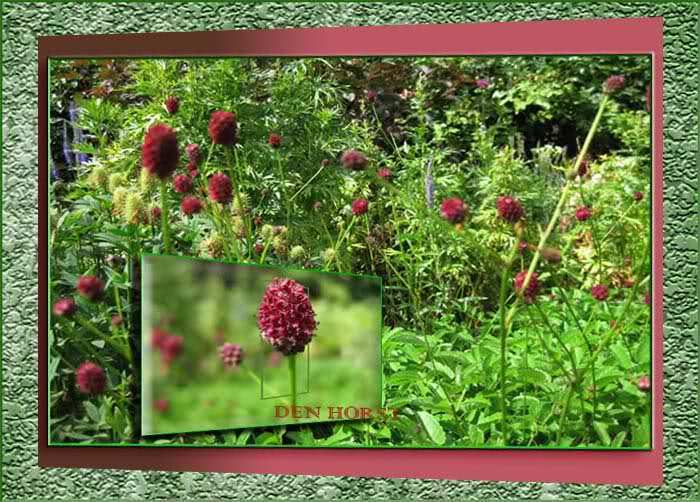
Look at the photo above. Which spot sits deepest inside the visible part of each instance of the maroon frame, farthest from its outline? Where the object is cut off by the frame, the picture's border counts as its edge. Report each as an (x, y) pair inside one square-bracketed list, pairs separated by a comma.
[(618, 36)]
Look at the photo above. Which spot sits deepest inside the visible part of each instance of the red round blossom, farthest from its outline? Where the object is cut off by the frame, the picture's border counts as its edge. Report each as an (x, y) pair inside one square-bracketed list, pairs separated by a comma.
[(190, 205), (583, 213), (533, 286), (158, 336), (522, 247), (193, 154), (638, 196), (274, 140), (231, 354), (91, 379), (172, 104), (600, 292), (220, 188), (155, 214), (161, 405), (352, 159), (90, 287), (613, 84), (583, 168), (454, 210), (644, 384), (371, 95), (64, 307), (510, 209), (192, 170), (482, 83), (223, 128), (385, 173), (359, 207), (257, 221), (259, 248), (647, 298), (170, 348), (182, 183), (159, 152), (117, 320), (286, 318)]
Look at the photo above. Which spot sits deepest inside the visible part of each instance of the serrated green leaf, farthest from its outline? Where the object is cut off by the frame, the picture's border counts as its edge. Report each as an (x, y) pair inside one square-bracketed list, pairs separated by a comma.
[(432, 427), (602, 430)]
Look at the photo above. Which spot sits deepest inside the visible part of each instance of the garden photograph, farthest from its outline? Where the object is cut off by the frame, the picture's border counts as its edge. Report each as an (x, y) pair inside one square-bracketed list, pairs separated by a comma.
[(463, 240)]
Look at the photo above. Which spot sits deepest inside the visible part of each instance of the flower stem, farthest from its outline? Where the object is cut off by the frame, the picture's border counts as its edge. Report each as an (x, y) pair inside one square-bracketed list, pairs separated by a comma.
[(164, 217), (292, 360), (124, 351), (307, 183)]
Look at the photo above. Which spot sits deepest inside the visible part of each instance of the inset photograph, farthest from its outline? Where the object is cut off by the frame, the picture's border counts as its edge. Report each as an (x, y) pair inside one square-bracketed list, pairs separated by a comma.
[(228, 346)]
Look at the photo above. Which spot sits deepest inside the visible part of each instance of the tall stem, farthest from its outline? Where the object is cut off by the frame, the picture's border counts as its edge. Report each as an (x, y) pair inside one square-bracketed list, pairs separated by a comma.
[(292, 360), (562, 199), (504, 338), (164, 216)]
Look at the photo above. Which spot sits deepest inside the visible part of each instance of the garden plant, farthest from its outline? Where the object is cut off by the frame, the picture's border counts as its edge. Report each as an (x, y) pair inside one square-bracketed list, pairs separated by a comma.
[(504, 202)]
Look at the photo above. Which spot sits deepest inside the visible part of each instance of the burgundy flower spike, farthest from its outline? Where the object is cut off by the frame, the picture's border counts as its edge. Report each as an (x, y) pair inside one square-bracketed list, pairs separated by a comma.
[(286, 318)]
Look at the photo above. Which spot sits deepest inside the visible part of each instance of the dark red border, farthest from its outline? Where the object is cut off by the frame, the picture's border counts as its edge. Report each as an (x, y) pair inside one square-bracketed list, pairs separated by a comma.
[(618, 36)]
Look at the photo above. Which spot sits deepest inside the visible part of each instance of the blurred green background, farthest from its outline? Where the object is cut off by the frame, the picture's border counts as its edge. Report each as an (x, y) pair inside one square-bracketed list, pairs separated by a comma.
[(209, 303)]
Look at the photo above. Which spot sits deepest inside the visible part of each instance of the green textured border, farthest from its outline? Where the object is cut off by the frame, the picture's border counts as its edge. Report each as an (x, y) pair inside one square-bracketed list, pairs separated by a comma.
[(23, 22)]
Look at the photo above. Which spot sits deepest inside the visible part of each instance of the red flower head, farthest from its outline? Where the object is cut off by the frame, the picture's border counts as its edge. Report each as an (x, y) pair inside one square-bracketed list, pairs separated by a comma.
[(117, 321), (510, 209), (159, 152), (385, 173), (64, 307), (220, 188), (257, 221), (532, 289), (90, 287), (259, 248), (583, 168), (161, 405), (647, 298), (482, 83), (155, 214), (286, 317), (182, 183), (644, 384), (454, 210), (170, 348), (522, 247), (583, 213), (158, 336), (172, 104), (192, 170), (352, 159), (359, 207), (638, 196), (193, 154), (190, 205), (613, 84), (231, 354), (600, 292), (274, 140), (223, 128), (371, 95), (91, 379)]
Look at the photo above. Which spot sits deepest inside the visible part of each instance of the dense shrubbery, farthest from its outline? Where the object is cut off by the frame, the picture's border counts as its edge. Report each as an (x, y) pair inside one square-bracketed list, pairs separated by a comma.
[(345, 165)]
